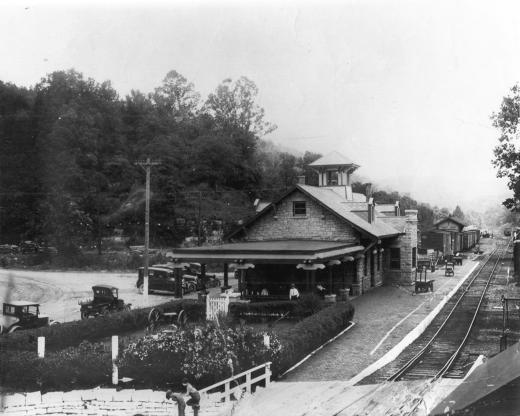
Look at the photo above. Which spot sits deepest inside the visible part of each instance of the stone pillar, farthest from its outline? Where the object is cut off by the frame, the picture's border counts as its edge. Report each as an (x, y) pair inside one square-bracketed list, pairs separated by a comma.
[(357, 286), (408, 242), (379, 274)]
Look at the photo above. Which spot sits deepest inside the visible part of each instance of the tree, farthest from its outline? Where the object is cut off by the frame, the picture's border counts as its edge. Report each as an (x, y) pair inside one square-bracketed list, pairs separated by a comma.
[(233, 106), (507, 152), (177, 96), (457, 213), (84, 168)]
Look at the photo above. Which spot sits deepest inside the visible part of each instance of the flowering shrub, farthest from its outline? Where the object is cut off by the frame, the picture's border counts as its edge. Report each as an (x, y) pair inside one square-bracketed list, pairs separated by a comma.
[(205, 354)]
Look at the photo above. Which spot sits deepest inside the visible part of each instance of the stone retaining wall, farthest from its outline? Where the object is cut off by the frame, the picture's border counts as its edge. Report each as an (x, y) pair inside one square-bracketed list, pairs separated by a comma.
[(99, 402)]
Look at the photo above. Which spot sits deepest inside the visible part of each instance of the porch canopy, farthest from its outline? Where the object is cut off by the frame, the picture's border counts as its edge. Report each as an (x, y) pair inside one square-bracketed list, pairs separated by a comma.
[(267, 252)]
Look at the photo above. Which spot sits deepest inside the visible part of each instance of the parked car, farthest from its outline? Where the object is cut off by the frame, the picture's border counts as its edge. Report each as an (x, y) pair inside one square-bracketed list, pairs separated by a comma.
[(106, 300), (21, 314), (161, 279), (29, 247), (193, 274)]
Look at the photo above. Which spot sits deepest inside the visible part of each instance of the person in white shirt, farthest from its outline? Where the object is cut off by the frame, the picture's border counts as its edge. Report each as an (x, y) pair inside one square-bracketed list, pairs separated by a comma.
[(293, 293)]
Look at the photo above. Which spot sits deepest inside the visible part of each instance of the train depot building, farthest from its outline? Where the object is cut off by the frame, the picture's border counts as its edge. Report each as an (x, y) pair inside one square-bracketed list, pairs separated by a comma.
[(312, 235), (450, 236)]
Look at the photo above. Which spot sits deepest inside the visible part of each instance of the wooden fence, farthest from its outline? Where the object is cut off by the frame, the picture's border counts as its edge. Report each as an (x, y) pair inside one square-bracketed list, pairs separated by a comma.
[(215, 306), (238, 384)]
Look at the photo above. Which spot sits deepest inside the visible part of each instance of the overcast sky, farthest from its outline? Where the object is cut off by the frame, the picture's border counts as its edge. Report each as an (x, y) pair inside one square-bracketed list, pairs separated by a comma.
[(403, 88)]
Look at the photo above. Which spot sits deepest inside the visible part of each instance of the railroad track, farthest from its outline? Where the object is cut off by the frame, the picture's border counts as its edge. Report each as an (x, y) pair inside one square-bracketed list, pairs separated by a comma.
[(438, 357)]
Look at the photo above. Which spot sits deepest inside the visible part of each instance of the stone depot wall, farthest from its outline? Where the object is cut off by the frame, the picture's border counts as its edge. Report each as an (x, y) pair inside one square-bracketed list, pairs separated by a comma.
[(318, 224), (407, 241), (100, 402)]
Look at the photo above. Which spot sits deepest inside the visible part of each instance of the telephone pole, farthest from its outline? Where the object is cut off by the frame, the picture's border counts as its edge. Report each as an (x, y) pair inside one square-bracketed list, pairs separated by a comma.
[(146, 165)]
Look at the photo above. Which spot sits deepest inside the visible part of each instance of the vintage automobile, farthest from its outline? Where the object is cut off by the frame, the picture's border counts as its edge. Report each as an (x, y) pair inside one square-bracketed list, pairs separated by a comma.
[(106, 300), (17, 315), (161, 279)]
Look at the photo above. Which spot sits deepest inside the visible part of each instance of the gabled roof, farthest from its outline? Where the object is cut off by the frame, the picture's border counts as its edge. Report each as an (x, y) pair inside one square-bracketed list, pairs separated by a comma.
[(453, 219), (333, 159), (335, 204)]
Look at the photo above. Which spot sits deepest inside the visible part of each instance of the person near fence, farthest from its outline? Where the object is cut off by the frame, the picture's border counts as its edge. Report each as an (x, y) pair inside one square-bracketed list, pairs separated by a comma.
[(179, 398), (293, 292), (194, 400)]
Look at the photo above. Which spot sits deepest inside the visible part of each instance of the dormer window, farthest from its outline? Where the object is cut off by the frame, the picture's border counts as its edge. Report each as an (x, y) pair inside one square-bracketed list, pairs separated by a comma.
[(299, 208)]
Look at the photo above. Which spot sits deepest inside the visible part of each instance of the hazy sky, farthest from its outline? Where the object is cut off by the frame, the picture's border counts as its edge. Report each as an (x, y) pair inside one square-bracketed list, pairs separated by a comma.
[(404, 88)]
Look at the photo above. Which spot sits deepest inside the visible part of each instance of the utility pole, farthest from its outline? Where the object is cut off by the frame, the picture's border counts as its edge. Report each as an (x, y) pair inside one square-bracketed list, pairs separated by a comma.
[(199, 229), (146, 165)]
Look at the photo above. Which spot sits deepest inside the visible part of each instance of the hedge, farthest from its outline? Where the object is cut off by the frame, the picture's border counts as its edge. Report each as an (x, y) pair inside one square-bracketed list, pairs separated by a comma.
[(204, 355), (251, 312), (310, 333), (73, 333), (85, 366)]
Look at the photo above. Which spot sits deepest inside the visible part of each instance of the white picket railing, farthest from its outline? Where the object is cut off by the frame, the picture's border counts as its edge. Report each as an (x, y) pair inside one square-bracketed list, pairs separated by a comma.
[(238, 388), (215, 306)]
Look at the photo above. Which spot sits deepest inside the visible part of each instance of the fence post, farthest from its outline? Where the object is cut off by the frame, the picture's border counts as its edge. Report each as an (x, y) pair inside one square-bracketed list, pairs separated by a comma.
[(41, 347), (115, 353), (227, 395), (207, 308), (248, 382), (267, 374)]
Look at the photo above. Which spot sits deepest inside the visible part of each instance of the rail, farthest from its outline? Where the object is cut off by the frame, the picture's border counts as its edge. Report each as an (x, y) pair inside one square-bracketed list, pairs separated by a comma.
[(417, 357), (238, 387), (452, 359)]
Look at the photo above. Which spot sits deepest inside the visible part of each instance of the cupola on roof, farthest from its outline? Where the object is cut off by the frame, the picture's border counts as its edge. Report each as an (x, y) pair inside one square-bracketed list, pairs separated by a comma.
[(333, 159)]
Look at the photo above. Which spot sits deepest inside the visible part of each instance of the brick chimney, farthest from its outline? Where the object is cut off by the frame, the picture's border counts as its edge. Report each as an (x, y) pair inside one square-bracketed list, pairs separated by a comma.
[(370, 210), (368, 191), (397, 209), (300, 180)]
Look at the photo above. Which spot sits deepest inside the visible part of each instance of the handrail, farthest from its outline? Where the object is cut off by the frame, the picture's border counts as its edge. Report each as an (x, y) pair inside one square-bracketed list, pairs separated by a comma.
[(248, 383)]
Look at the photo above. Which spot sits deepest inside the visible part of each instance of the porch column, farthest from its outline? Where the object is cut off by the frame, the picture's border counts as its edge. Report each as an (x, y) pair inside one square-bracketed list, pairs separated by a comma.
[(203, 275), (178, 282), (226, 270)]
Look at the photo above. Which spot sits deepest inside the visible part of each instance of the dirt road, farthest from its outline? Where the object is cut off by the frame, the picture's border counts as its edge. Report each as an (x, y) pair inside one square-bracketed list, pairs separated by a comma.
[(59, 292)]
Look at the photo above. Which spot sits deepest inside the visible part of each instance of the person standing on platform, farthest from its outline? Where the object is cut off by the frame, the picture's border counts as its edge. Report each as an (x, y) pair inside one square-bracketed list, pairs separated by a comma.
[(293, 292)]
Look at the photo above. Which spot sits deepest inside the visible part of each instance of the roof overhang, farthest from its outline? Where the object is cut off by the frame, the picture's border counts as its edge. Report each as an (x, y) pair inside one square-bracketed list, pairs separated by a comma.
[(278, 252)]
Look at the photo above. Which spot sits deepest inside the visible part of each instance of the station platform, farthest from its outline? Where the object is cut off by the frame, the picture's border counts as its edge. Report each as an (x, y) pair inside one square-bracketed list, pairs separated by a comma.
[(387, 319)]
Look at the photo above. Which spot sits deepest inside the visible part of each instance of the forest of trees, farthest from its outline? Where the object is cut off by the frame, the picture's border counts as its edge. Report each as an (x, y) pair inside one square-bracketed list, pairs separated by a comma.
[(70, 147)]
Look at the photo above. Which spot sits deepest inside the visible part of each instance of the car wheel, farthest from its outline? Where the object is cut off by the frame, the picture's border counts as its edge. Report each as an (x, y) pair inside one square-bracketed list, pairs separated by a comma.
[(84, 315), (192, 287), (182, 319)]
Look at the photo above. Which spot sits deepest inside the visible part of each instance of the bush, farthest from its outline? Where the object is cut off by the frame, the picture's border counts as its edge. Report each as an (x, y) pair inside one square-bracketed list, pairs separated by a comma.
[(206, 355), (307, 305), (310, 333), (73, 333), (85, 366)]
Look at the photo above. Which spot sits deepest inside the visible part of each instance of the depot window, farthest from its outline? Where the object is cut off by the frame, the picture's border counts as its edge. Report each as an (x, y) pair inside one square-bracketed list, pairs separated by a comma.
[(395, 258), (299, 208)]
